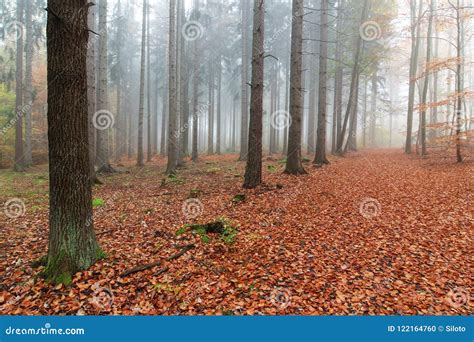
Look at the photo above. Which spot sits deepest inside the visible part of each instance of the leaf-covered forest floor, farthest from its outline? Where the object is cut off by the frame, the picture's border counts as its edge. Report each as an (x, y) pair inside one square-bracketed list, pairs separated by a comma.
[(376, 232)]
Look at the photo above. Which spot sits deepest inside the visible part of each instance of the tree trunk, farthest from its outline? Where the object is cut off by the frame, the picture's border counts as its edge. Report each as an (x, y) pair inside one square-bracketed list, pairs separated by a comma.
[(19, 162), (103, 110), (210, 122), (141, 100), (320, 158), (148, 87), (415, 44), (253, 170), (294, 163), (172, 105), (218, 108), (72, 242), (91, 93), (28, 91), (244, 80), (424, 104)]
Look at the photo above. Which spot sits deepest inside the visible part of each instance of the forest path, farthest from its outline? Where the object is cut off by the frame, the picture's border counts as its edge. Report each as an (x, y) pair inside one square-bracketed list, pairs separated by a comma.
[(376, 232)]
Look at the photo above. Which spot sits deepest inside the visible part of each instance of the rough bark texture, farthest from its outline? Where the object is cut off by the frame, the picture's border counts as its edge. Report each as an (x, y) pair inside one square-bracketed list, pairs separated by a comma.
[(72, 242), (294, 163), (253, 170), (320, 157)]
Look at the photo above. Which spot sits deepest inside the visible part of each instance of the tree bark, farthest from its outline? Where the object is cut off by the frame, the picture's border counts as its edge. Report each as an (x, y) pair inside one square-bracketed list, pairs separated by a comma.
[(320, 158), (294, 163), (244, 80), (72, 242), (141, 109), (253, 170)]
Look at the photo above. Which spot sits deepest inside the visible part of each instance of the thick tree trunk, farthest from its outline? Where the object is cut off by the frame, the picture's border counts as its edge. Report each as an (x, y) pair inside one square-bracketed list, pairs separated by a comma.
[(19, 162), (294, 163), (320, 158), (253, 170), (72, 242)]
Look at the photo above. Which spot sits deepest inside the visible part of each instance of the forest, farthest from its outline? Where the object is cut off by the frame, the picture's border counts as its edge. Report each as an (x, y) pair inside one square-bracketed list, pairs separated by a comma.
[(224, 157)]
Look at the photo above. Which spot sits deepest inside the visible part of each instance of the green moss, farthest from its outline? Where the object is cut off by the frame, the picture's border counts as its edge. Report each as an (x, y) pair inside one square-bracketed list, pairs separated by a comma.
[(42, 261), (98, 202), (101, 254)]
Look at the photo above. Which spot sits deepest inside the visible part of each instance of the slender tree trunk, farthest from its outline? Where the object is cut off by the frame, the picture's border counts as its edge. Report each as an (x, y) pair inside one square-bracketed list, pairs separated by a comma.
[(28, 92), (424, 103), (103, 133), (337, 108), (287, 104), (253, 170), (210, 122), (19, 162), (459, 83), (72, 242), (320, 158), (172, 116), (148, 80), (91, 93), (141, 100), (244, 80), (294, 163), (415, 44), (218, 108)]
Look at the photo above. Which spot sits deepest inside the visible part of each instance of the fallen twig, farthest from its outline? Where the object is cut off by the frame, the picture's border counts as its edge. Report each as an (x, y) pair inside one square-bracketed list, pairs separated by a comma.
[(144, 267)]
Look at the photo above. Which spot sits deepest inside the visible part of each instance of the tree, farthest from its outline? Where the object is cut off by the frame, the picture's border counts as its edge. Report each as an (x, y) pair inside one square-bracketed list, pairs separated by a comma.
[(28, 91), (244, 72), (72, 242), (320, 157), (423, 104), (172, 105), (253, 170), (103, 102), (415, 47), (294, 163), (91, 94), (142, 88), (19, 162)]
